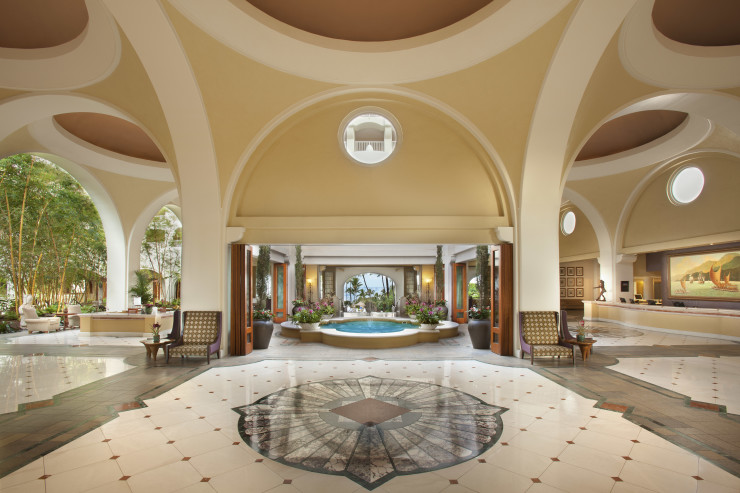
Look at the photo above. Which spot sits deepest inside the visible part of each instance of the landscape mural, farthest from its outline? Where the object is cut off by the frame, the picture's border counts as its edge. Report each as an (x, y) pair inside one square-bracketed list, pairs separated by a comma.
[(706, 275)]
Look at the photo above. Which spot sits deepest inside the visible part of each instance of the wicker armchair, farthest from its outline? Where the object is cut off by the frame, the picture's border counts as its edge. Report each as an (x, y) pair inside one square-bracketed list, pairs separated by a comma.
[(201, 336), (539, 336)]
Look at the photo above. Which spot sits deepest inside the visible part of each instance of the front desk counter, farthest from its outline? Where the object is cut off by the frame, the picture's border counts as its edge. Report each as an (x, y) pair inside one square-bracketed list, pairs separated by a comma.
[(724, 324), (124, 324)]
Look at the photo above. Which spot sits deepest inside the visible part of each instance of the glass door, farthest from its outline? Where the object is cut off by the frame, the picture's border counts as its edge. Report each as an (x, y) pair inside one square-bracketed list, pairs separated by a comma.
[(279, 290), (502, 289), (459, 294)]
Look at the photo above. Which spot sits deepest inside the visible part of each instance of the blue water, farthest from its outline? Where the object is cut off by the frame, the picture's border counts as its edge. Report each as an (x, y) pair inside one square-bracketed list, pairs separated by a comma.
[(369, 327)]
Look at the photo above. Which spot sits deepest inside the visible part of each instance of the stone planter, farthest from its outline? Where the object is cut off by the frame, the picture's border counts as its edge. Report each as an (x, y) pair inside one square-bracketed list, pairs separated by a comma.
[(427, 326), (383, 314), (262, 334), (309, 327), (413, 317), (480, 333), (324, 318)]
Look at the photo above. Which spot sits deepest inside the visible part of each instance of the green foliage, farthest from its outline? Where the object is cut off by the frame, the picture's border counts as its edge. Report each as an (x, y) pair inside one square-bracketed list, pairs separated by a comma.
[(261, 276), (161, 249), (439, 274), (262, 315), (299, 281), (353, 288), (140, 288), (307, 316), (427, 314), (51, 237), (483, 273), (473, 291)]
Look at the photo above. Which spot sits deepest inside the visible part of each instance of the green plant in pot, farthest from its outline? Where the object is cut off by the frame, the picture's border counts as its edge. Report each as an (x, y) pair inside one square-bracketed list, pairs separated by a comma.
[(581, 331), (262, 328), (140, 288), (479, 327), (427, 316), (307, 318)]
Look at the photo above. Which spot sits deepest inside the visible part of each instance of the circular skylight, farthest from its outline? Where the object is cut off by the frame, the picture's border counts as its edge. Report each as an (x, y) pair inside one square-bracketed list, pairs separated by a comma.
[(369, 138), (686, 185), (568, 223)]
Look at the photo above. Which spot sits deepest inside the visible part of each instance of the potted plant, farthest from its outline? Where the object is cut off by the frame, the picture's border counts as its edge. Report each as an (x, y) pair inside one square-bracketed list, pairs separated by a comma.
[(441, 307), (479, 327), (307, 318), (155, 332), (581, 331), (413, 304), (326, 307), (427, 317), (262, 328), (298, 304), (140, 288)]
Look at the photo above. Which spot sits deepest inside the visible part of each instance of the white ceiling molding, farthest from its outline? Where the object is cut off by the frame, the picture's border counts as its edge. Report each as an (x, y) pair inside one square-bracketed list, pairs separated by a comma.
[(54, 137), (351, 62), (687, 135), (85, 60), (653, 58)]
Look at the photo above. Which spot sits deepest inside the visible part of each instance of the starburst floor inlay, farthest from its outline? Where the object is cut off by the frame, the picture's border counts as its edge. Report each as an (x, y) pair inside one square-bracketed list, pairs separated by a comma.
[(370, 429)]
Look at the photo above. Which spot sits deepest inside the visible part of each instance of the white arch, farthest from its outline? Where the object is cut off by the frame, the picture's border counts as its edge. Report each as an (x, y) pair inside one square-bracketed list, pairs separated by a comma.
[(590, 30), (138, 230), (114, 235), (447, 110), (651, 57), (395, 274), (156, 43), (484, 34), (85, 60)]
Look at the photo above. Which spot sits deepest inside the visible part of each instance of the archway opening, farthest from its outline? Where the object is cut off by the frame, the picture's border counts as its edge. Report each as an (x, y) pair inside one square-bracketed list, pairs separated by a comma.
[(370, 292), (161, 256)]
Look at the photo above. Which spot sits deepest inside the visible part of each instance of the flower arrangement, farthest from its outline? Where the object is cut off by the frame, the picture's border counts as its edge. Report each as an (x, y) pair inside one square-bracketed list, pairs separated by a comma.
[(300, 302), (326, 307), (413, 304), (155, 332), (581, 331), (440, 303), (262, 315), (307, 316), (479, 313), (427, 314)]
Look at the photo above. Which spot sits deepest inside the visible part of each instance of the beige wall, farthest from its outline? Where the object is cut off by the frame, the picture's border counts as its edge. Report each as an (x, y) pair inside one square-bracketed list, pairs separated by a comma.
[(582, 242), (590, 278), (654, 220)]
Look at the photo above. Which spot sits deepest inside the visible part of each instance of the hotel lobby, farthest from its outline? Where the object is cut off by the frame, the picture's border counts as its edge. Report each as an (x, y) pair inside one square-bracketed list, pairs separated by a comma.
[(592, 149)]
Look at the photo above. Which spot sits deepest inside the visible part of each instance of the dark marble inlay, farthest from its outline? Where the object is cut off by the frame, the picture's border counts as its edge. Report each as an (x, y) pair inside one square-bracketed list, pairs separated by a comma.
[(370, 429)]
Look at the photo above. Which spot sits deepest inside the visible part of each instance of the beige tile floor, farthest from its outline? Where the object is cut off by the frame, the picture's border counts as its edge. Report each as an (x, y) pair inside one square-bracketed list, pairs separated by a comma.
[(187, 440), (70, 338), (37, 377), (702, 378)]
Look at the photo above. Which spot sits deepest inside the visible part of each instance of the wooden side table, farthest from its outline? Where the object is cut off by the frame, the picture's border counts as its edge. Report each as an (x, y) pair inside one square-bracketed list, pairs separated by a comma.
[(585, 346), (152, 348)]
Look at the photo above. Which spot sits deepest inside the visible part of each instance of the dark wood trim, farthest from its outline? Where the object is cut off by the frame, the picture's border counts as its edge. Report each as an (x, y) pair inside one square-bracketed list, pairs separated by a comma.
[(504, 332), (237, 346)]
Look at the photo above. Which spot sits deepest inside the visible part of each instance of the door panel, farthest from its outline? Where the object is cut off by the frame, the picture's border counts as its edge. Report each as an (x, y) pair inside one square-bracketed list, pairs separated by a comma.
[(502, 296), (459, 294), (279, 292)]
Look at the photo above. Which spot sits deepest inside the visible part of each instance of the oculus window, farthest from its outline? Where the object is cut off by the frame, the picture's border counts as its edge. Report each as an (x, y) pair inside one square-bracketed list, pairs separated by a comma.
[(369, 137), (568, 222), (686, 185)]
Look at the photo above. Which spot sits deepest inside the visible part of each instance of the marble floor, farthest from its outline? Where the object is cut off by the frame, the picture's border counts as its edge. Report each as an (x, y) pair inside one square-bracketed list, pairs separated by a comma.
[(69, 338), (36, 377), (301, 418), (702, 378)]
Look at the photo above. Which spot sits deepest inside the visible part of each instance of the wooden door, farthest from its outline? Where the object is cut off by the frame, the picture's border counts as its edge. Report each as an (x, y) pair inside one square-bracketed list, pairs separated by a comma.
[(240, 335), (249, 302), (502, 297), (459, 293), (279, 293)]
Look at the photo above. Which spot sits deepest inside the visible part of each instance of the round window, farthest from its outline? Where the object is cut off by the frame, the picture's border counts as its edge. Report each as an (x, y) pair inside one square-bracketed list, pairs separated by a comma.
[(369, 137), (568, 222), (685, 185)]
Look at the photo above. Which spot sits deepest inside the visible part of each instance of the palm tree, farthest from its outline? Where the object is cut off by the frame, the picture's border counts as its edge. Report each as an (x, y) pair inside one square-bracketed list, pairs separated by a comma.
[(352, 288)]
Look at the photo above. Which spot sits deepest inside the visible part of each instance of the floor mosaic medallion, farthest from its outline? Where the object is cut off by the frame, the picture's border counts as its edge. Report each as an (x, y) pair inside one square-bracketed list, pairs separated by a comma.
[(370, 429)]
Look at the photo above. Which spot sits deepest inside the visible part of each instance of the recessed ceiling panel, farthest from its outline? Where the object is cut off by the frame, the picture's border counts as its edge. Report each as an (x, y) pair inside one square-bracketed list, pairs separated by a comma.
[(699, 22), (40, 23), (111, 133), (380, 20), (630, 131)]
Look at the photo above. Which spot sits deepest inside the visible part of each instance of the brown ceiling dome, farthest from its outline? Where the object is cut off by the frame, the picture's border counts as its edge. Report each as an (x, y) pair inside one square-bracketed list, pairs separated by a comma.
[(630, 131), (40, 23), (380, 20), (111, 133), (699, 22)]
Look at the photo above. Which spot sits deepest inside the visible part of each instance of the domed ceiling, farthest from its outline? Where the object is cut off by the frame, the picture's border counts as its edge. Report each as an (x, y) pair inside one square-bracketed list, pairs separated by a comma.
[(111, 133), (699, 22), (41, 23), (380, 20), (630, 131)]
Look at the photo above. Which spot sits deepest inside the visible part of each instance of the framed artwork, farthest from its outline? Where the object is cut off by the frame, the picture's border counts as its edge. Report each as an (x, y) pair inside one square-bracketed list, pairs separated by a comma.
[(579, 292), (571, 271), (579, 281), (710, 275), (571, 292), (571, 281), (579, 271), (624, 286), (562, 282), (562, 271), (562, 292)]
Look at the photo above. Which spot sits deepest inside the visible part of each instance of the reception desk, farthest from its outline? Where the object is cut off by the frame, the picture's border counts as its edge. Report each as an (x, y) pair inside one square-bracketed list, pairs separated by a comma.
[(723, 324), (124, 324)]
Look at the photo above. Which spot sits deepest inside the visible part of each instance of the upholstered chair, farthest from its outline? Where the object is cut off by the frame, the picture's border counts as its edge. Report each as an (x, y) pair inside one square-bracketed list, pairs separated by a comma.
[(539, 335), (34, 323), (201, 335)]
